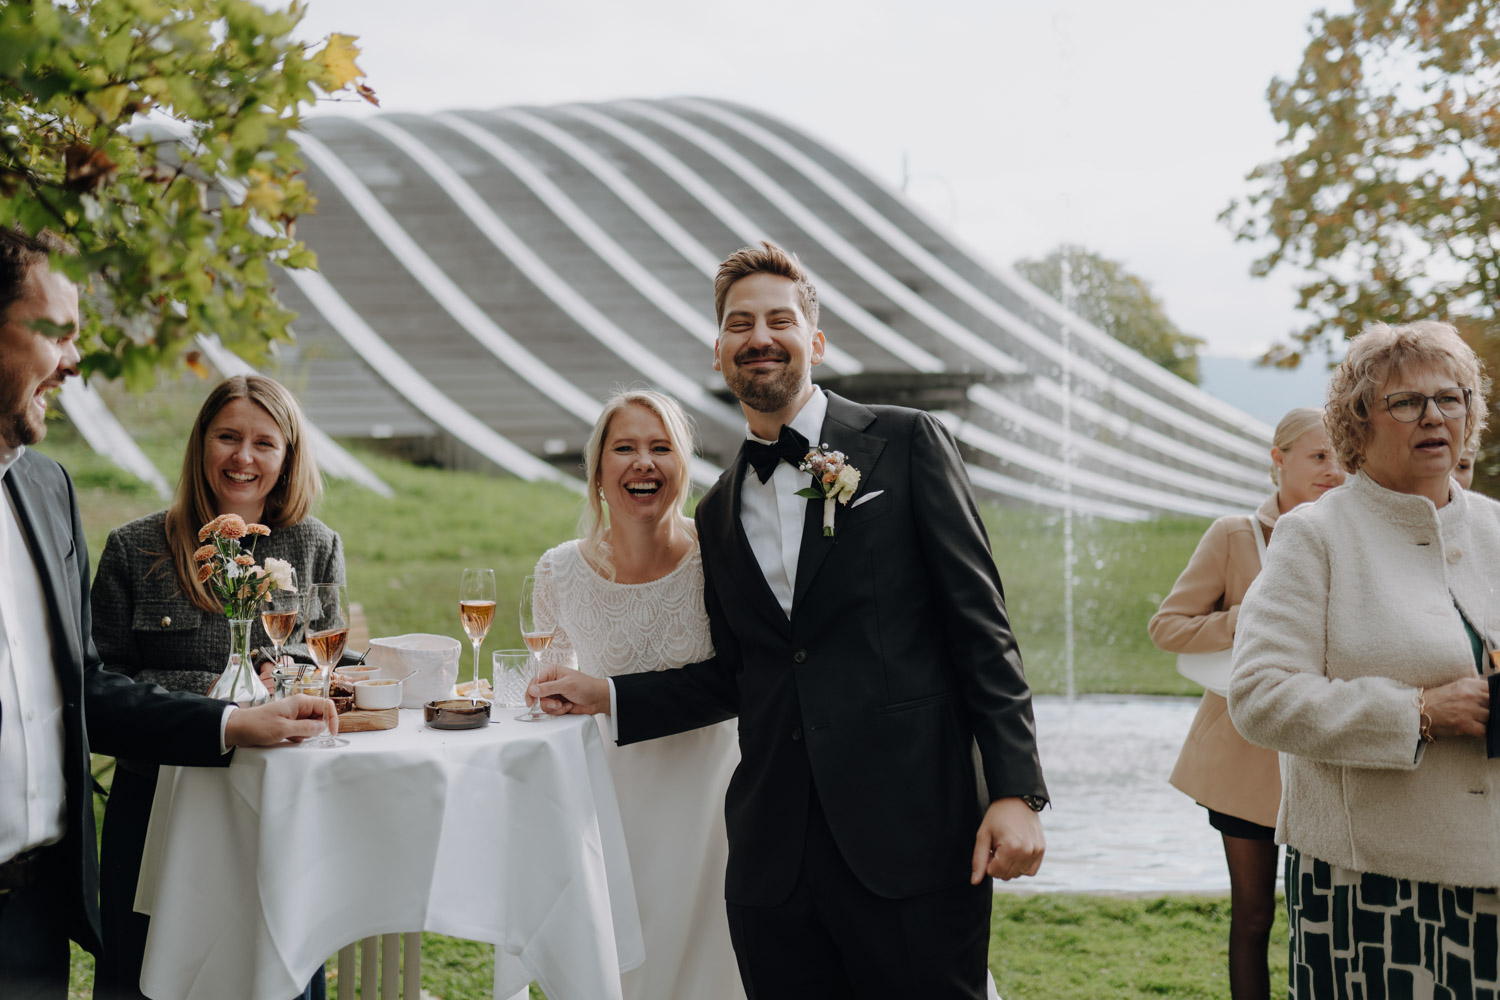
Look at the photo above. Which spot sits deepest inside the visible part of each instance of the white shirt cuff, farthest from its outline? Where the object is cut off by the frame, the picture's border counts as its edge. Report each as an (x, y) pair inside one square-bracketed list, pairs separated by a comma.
[(614, 727), (224, 724)]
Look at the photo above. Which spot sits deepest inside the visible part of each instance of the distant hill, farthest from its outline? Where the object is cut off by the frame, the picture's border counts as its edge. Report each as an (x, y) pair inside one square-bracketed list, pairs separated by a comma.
[(1264, 393)]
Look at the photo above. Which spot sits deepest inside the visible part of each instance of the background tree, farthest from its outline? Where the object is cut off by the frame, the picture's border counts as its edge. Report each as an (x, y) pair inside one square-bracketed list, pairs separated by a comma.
[(1118, 302), (155, 135), (1387, 192)]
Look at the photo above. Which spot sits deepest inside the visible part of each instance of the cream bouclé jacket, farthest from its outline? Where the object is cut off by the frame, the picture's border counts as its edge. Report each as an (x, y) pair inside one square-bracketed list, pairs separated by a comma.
[(1357, 609)]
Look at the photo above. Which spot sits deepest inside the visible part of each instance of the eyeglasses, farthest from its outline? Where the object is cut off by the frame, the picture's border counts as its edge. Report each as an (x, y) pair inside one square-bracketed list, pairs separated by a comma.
[(1408, 407)]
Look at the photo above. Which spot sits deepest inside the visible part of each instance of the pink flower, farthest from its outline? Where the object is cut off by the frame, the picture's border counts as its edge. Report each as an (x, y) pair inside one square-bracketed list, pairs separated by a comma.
[(204, 553), (257, 529), (244, 560), (204, 572), (233, 526)]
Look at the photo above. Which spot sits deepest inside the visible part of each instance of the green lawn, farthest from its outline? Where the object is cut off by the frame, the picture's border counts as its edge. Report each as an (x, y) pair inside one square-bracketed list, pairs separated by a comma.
[(1051, 947)]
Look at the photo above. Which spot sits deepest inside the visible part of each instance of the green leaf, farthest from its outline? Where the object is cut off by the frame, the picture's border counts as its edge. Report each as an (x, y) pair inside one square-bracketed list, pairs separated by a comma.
[(812, 493)]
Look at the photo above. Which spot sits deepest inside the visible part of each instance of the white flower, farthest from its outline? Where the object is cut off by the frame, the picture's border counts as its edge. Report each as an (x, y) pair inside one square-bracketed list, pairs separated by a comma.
[(280, 572), (232, 570), (846, 483)]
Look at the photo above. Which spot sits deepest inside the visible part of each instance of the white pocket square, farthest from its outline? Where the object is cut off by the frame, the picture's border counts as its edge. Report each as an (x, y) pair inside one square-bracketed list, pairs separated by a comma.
[(867, 496)]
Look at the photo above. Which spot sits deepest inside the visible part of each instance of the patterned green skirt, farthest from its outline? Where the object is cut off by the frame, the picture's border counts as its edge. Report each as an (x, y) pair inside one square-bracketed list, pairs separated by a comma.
[(1359, 936)]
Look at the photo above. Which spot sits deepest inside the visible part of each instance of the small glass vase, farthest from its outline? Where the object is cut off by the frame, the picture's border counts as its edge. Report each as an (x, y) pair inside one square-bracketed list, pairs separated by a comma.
[(239, 682)]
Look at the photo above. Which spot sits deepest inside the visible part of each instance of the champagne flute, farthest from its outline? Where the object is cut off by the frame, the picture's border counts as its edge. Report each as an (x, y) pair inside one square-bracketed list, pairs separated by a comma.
[(279, 618), (537, 636), (476, 609), (327, 630)]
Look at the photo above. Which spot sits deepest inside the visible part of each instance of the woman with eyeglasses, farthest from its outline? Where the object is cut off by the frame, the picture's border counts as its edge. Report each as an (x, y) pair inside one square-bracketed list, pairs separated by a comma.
[(1238, 783), (1361, 656)]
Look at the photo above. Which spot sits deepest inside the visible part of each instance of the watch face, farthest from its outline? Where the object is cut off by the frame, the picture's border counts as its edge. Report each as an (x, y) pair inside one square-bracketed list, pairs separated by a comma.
[(1036, 802)]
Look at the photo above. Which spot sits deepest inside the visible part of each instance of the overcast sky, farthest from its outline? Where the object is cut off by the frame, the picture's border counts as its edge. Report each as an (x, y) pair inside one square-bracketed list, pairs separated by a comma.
[(1126, 127)]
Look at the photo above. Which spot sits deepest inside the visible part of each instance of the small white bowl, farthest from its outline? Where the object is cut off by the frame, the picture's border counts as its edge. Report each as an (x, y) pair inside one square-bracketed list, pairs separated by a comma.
[(377, 694)]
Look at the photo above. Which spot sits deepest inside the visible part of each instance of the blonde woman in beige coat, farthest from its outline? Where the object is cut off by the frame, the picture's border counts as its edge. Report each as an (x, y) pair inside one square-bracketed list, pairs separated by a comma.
[(1239, 783)]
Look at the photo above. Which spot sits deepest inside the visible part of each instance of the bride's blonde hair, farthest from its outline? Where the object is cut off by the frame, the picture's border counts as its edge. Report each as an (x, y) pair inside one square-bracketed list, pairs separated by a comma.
[(593, 524)]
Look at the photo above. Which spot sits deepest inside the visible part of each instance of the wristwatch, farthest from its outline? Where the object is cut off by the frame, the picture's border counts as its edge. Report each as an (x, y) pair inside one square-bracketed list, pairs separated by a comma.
[(1036, 802)]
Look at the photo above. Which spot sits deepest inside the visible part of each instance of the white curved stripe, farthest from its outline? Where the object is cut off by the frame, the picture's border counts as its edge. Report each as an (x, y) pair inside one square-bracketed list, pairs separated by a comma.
[(876, 276), (603, 329), (747, 230), (695, 253), (977, 299), (1165, 475), (1125, 428), (416, 390), (442, 289), (1006, 450), (988, 479), (1042, 496), (331, 456), (698, 324), (107, 436)]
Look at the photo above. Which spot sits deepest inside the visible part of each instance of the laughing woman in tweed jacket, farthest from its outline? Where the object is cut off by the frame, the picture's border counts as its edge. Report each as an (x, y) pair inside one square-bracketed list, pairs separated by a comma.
[(1237, 782), (1360, 655), (248, 454)]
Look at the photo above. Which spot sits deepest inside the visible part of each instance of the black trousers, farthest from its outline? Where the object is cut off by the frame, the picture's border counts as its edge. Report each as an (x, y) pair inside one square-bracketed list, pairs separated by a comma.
[(34, 952), (117, 975), (834, 939)]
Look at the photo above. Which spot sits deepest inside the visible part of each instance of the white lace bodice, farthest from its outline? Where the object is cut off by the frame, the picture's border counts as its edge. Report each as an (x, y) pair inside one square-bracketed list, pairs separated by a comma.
[(606, 628)]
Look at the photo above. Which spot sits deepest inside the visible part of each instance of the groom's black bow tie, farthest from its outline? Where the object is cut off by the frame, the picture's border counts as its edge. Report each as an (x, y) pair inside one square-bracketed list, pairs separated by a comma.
[(790, 446)]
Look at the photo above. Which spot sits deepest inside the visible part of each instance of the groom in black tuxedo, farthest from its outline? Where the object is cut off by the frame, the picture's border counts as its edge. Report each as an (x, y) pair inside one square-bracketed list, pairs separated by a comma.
[(870, 671)]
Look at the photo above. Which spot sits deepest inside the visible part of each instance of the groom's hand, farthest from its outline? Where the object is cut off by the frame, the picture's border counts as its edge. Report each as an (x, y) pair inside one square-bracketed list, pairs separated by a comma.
[(1010, 842), (568, 692)]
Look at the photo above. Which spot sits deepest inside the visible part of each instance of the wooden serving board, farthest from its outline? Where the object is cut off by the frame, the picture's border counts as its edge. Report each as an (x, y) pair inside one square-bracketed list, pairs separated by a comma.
[(364, 720)]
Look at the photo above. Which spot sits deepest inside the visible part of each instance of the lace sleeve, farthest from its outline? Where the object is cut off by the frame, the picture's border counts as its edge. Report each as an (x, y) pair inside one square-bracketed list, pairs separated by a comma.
[(546, 598)]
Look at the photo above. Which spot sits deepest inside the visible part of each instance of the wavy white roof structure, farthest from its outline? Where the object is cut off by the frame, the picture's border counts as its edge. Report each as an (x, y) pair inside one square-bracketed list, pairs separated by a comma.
[(514, 267)]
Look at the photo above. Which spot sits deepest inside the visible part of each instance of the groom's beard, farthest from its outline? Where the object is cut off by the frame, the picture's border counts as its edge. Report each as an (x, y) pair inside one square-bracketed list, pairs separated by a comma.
[(765, 392)]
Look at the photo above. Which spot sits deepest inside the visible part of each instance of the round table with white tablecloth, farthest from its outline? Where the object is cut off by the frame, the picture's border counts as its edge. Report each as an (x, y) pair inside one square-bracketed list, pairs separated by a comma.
[(255, 873)]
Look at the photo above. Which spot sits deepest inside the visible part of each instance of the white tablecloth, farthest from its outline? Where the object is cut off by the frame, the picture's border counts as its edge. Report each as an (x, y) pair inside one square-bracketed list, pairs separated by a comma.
[(255, 873)]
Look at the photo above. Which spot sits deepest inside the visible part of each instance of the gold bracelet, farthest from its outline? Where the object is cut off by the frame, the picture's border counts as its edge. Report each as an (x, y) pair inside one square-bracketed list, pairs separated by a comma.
[(1426, 720)]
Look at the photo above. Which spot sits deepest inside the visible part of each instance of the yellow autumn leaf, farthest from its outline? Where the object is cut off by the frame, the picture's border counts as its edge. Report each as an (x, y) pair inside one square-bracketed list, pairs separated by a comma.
[(337, 57), (264, 195)]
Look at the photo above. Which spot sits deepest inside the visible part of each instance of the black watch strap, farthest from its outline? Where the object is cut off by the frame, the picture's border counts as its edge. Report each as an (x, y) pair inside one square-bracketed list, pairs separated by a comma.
[(1036, 802)]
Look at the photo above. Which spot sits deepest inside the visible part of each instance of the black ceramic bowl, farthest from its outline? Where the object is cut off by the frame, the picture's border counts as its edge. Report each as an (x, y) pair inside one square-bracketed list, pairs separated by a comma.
[(457, 713)]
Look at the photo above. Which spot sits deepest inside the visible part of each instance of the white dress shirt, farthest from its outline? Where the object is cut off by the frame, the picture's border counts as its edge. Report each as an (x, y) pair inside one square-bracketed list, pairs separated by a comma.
[(772, 515), (33, 790)]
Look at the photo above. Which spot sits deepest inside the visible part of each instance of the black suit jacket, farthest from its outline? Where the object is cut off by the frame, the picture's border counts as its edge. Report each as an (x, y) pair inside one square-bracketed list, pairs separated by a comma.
[(105, 710), (896, 664)]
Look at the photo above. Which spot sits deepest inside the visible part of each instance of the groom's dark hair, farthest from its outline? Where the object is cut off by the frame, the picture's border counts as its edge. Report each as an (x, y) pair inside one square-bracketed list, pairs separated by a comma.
[(771, 259)]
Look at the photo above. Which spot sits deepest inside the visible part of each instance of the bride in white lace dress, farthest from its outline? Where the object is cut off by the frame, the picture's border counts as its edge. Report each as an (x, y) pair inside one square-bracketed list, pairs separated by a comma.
[(627, 597)]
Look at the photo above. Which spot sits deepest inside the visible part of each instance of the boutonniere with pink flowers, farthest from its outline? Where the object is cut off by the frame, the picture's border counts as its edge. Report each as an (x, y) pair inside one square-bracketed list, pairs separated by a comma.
[(834, 481)]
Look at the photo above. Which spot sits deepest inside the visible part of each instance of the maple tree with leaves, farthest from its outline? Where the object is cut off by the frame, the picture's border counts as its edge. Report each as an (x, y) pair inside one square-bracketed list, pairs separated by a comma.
[(1387, 192), (155, 136)]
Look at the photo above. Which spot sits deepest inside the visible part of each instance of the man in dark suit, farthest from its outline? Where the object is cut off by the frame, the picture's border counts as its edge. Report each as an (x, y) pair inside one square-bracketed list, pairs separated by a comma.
[(56, 701), (866, 667)]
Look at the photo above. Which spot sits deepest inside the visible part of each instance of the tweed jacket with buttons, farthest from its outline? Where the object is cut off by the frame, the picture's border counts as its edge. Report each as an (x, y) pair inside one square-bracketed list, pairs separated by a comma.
[(1357, 609), (144, 626)]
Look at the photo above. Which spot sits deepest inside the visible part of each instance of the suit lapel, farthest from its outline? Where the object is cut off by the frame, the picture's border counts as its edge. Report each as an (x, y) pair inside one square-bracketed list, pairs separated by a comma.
[(736, 547), (843, 430), (37, 527)]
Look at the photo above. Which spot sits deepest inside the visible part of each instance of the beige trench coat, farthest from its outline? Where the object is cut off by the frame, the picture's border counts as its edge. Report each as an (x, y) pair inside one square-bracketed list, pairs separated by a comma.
[(1218, 767)]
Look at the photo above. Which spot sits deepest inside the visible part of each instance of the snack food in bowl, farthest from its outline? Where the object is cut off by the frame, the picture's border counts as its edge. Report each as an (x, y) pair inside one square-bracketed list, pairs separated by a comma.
[(377, 693)]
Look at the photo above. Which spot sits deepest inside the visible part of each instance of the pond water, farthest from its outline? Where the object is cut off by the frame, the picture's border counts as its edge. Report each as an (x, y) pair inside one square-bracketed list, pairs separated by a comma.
[(1115, 824)]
